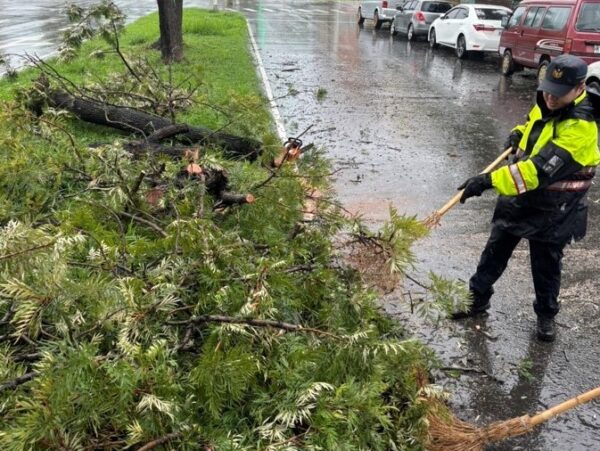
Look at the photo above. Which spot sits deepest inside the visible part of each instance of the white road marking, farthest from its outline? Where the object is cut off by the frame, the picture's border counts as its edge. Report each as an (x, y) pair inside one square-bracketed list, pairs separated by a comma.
[(268, 92)]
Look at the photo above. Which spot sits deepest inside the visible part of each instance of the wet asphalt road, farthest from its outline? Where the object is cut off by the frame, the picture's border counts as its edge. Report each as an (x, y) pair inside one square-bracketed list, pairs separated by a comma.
[(405, 125)]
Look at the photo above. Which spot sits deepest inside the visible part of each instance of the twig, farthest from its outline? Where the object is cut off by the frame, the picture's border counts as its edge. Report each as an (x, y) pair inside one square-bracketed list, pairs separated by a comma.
[(253, 322), (26, 251), (7, 316), (138, 182), (464, 369), (99, 323), (291, 439), (150, 224), (18, 381), (160, 441), (118, 50), (417, 282), (27, 357)]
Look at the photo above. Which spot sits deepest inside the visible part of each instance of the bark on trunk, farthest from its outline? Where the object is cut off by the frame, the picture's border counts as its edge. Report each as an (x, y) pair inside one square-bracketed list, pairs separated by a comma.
[(170, 16), (130, 120)]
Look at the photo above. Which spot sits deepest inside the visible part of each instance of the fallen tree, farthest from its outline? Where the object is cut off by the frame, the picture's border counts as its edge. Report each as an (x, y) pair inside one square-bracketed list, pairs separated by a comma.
[(145, 124), (136, 312)]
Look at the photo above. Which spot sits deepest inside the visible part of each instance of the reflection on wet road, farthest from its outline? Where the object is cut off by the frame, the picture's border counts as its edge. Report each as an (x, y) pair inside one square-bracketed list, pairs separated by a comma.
[(406, 125)]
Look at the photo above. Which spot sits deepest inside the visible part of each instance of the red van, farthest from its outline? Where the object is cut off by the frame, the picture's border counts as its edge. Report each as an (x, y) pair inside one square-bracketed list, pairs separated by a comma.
[(539, 30)]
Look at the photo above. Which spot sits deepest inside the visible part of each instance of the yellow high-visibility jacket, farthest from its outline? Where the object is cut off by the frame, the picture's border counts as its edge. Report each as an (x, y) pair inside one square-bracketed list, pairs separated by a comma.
[(543, 194)]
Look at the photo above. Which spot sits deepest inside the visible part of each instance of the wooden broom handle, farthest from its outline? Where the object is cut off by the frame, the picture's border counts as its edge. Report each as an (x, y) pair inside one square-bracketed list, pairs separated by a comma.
[(452, 202), (567, 405)]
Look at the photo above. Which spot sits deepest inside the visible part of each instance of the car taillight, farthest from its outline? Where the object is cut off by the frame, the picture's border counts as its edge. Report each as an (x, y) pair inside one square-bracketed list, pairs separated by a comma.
[(481, 27), (420, 16), (568, 45), (384, 4)]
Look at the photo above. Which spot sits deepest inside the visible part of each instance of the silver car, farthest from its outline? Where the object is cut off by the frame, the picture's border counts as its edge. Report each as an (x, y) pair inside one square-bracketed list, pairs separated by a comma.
[(379, 11), (414, 17)]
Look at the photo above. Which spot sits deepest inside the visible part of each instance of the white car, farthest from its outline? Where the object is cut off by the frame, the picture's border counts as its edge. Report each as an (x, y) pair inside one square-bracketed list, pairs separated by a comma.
[(379, 11), (469, 28), (593, 76)]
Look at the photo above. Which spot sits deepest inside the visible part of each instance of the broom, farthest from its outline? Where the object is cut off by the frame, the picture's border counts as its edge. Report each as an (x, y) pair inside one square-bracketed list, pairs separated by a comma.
[(433, 219), (447, 433)]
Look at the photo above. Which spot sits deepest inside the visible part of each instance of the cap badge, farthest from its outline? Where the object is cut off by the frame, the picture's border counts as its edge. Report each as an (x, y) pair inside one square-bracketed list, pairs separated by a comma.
[(557, 74)]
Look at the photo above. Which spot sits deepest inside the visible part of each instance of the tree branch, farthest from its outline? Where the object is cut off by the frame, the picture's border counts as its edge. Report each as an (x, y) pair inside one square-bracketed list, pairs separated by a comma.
[(26, 251), (18, 381), (160, 441), (150, 224), (254, 322)]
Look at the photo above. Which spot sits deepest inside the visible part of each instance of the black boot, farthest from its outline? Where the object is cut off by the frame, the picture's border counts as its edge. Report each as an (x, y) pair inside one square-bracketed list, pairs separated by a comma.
[(476, 309), (481, 302), (546, 329)]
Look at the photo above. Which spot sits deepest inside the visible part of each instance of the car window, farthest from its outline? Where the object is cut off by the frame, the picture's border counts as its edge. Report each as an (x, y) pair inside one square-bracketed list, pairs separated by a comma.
[(556, 18), (409, 5), (530, 17), (435, 7), (491, 14), (463, 13), (515, 19), (452, 14), (538, 18), (589, 17)]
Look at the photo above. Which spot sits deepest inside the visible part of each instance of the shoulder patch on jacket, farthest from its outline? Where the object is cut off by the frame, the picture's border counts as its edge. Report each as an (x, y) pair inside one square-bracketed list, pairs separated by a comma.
[(552, 165)]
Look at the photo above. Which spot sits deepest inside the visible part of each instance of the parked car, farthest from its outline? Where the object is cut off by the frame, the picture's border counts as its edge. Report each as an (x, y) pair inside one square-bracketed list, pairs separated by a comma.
[(593, 76), (380, 12), (540, 30), (414, 17), (469, 28)]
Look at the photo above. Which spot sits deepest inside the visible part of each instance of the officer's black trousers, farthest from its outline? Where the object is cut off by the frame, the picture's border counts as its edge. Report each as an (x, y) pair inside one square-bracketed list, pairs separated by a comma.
[(545, 268)]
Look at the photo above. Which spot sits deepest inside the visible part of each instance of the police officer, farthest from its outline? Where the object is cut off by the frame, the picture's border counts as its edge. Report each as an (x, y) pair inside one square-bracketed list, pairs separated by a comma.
[(542, 193)]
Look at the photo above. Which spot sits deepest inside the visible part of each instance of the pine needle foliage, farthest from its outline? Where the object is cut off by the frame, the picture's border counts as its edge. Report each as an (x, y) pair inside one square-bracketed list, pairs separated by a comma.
[(124, 323)]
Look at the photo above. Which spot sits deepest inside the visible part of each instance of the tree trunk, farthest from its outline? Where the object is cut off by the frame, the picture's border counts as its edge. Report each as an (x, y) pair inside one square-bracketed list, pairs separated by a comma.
[(131, 120), (170, 16)]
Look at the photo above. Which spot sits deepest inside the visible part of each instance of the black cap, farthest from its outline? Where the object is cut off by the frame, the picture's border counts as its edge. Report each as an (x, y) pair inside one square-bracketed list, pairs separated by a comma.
[(563, 74)]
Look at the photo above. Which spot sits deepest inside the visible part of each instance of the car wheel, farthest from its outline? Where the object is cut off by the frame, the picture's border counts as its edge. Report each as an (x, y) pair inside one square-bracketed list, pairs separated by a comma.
[(410, 33), (393, 30), (508, 64), (432, 42), (542, 69), (359, 17), (461, 47), (377, 22)]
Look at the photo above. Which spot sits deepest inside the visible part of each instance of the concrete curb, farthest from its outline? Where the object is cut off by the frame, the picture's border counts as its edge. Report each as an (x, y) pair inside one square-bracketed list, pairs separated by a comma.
[(267, 87)]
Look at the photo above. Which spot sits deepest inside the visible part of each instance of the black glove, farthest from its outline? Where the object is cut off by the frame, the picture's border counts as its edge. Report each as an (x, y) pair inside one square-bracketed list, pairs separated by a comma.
[(513, 141), (475, 186)]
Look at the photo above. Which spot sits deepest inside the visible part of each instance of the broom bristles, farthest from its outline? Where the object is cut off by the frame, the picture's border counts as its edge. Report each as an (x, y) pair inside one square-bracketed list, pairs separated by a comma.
[(448, 433), (433, 220)]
